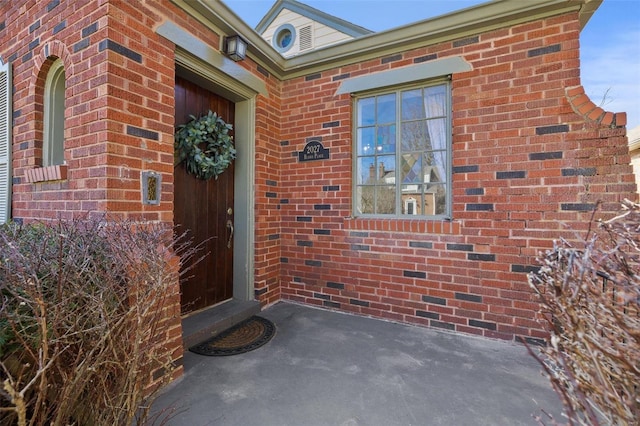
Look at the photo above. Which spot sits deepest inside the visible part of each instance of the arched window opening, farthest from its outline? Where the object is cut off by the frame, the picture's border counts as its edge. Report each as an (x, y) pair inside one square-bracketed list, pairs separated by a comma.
[(54, 105)]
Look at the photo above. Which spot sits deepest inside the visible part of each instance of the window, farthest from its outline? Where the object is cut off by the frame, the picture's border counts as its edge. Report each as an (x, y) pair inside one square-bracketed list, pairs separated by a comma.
[(5, 141), (403, 153), (53, 146), (284, 37)]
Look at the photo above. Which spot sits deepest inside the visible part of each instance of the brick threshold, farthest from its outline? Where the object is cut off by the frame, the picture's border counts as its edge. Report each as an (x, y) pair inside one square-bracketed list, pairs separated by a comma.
[(201, 325)]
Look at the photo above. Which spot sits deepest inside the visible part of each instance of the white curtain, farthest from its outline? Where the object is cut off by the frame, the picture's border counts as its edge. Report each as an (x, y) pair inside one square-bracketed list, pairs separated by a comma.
[(435, 104)]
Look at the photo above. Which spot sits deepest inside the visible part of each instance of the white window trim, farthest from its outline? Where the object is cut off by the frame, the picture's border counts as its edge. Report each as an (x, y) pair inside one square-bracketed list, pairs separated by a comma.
[(5, 141)]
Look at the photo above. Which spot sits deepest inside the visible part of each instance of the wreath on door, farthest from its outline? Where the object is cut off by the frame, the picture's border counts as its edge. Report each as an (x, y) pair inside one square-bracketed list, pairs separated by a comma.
[(204, 144)]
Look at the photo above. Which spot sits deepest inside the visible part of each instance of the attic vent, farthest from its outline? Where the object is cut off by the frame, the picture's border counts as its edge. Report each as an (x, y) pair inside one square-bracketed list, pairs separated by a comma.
[(306, 39)]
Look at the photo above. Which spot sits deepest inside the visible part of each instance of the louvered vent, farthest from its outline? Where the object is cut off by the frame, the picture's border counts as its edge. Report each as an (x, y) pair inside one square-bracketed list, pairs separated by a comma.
[(306, 38), (5, 141)]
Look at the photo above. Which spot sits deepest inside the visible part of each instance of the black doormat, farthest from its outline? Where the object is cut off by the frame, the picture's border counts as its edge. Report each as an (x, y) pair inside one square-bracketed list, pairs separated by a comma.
[(244, 337)]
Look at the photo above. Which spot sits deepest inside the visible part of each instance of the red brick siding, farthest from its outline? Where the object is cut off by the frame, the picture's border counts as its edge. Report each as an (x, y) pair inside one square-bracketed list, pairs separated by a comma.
[(106, 92), (119, 115), (525, 142), (518, 147), (268, 229)]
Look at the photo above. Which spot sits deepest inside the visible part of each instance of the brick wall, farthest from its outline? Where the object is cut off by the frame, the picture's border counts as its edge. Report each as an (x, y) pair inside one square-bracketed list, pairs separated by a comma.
[(119, 122), (532, 156), (268, 146), (119, 107), (119, 119)]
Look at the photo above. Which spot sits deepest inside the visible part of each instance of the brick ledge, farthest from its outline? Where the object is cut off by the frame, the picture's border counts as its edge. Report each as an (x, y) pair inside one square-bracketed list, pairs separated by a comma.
[(48, 173), (584, 107), (420, 226)]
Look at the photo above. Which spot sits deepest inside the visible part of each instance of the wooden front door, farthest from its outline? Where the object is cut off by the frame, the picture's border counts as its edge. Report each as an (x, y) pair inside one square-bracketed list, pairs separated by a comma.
[(204, 209)]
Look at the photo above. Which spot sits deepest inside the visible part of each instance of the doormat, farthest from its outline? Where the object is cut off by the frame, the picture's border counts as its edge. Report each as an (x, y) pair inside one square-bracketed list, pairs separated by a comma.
[(244, 337)]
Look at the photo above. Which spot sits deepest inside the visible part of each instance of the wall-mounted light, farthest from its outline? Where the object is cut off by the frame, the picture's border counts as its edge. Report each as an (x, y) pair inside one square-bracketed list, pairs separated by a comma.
[(235, 47)]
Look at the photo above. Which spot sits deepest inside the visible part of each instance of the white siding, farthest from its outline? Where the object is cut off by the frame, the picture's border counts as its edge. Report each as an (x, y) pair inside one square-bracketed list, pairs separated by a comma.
[(326, 36), (322, 35), (5, 141), (635, 162), (634, 151)]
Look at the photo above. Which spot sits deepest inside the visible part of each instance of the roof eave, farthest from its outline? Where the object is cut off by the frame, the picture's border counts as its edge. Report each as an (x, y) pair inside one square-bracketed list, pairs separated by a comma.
[(464, 23), (217, 16), (338, 24), (456, 25), (587, 11)]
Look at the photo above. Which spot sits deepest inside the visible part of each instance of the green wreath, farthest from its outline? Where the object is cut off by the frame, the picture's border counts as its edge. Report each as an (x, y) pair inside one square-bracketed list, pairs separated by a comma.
[(204, 144)]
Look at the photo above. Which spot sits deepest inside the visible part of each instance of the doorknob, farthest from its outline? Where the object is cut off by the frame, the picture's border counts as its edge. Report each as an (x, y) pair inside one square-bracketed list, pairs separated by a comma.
[(230, 227)]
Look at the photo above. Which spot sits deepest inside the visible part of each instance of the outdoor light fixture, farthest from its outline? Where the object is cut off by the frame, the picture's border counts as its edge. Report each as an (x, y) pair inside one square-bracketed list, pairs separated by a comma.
[(235, 47)]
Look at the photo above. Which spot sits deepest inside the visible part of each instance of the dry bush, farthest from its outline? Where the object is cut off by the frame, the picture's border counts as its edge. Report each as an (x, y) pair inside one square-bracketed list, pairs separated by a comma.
[(590, 296), (82, 302)]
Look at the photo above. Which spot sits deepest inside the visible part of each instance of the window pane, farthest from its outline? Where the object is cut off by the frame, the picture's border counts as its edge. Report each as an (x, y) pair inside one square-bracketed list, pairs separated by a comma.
[(435, 101), (366, 170), (376, 199), (386, 169), (366, 112), (386, 140), (411, 166), (364, 199), (57, 105), (54, 109), (412, 195), (412, 105), (435, 198), (435, 168), (437, 131), (385, 200), (387, 109), (415, 136), (366, 139)]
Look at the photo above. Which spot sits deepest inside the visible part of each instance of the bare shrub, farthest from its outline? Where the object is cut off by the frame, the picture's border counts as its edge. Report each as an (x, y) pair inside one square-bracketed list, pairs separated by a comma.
[(83, 304), (590, 296)]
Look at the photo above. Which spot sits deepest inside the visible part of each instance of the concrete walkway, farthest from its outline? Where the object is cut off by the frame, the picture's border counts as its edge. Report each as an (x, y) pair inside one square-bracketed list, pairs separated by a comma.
[(327, 368)]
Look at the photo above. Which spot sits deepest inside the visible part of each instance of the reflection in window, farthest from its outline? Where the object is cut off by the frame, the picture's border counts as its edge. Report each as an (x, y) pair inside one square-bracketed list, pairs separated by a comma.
[(285, 38), (410, 206), (53, 146), (403, 153)]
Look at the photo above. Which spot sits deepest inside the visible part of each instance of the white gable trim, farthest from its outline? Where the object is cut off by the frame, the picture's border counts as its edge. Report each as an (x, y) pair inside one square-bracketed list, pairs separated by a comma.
[(316, 15)]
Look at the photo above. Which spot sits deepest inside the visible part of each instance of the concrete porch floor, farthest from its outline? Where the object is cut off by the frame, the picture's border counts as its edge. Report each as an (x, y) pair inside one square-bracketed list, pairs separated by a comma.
[(328, 368)]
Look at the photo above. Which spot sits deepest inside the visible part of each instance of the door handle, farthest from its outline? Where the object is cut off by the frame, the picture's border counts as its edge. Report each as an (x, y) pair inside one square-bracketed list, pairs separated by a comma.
[(230, 227)]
